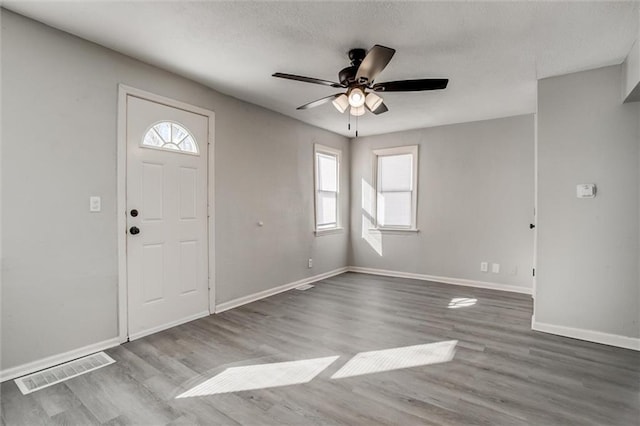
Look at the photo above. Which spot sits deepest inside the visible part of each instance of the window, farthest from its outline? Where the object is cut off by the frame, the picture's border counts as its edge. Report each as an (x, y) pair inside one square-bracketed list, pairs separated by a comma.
[(396, 187), (170, 136), (327, 182)]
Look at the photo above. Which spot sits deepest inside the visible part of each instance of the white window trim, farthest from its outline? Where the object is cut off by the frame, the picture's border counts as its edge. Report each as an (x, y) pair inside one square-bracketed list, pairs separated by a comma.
[(329, 231), (392, 230), (398, 150), (322, 149)]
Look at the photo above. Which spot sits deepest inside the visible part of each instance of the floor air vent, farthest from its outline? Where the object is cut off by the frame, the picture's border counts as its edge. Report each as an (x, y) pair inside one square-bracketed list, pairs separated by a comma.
[(60, 373)]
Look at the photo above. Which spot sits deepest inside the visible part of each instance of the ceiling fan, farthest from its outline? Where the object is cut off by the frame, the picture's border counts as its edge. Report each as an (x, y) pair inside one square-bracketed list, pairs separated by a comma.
[(359, 79)]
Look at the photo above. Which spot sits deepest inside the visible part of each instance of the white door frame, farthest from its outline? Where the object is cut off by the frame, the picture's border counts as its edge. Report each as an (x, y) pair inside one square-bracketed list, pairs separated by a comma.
[(534, 281), (123, 92)]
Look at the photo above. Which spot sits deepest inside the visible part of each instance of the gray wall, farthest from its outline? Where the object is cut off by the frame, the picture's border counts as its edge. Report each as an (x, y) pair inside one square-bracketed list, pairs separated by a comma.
[(631, 71), (59, 275), (475, 202), (588, 249), (631, 74)]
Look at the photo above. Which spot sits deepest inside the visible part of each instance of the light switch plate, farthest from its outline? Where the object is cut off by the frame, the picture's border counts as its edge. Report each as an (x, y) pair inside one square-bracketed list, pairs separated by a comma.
[(95, 204), (586, 190)]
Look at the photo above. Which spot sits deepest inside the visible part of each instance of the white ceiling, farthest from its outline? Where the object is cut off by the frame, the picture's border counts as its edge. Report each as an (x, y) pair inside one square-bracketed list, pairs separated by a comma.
[(493, 53)]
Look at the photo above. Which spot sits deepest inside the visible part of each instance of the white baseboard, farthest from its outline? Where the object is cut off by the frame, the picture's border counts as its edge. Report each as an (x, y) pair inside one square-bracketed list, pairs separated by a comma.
[(266, 293), (588, 335), (138, 335), (445, 280), (41, 364)]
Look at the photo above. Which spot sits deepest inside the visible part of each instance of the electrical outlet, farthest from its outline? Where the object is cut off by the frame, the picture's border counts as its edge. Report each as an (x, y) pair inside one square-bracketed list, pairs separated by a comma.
[(495, 268), (95, 204), (484, 267), (310, 263)]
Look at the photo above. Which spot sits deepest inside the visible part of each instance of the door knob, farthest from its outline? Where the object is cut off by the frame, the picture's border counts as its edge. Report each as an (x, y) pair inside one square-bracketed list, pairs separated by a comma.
[(531, 226), (134, 230)]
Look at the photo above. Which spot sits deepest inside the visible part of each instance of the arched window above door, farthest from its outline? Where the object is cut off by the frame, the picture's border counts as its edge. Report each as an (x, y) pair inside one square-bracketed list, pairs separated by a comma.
[(170, 136)]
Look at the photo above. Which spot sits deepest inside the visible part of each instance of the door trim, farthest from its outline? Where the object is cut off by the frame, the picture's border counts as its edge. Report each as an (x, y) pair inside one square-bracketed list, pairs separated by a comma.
[(534, 282), (121, 203)]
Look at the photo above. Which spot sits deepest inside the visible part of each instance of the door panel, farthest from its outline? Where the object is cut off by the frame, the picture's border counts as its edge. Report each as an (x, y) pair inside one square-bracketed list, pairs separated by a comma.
[(167, 269), (152, 276), (152, 191), (188, 266), (188, 193)]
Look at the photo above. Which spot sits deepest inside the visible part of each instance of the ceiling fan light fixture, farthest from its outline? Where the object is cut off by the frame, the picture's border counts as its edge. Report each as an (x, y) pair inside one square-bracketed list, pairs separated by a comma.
[(357, 111), (341, 103), (356, 98), (373, 101)]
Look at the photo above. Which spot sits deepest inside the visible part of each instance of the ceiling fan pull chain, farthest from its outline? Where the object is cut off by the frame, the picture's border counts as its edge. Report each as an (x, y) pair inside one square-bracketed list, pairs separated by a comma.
[(356, 126), (349, 122)]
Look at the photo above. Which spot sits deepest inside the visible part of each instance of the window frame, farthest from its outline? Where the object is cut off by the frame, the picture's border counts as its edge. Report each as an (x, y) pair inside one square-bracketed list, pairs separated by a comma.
[(333, 152), (387, 152)]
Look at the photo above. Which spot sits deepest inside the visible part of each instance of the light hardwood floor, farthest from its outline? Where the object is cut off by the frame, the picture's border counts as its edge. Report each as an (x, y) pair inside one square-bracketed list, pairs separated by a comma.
[(502, 373)]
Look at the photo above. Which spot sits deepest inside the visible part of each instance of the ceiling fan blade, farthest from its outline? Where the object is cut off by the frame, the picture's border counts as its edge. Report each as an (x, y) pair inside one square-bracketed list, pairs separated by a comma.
[(376, 60), (381, 109), (411, 85), (307, 79), (319, 102)]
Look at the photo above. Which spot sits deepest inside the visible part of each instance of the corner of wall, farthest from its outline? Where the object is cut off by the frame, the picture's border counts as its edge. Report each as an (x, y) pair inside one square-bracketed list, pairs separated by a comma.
[(588, 276), (631, 74), (350, 256), (631, 71)]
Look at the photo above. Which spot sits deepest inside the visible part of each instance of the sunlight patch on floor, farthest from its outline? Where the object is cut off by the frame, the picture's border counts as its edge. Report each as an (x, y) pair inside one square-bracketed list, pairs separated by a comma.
[(461, 302), (261, 376), (397, 358)]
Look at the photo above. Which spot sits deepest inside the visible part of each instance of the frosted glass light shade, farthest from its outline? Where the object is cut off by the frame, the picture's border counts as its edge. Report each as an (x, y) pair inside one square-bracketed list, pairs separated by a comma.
[(373, 101), (356, 98), (341, 103), (357, 111)]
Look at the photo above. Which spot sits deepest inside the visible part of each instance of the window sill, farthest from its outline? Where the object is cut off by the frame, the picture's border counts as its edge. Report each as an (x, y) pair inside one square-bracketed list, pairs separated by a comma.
[(320, 232), (399, 231)]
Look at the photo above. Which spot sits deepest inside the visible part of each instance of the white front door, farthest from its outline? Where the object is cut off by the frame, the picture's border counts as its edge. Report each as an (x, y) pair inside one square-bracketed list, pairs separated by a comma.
[(166, 197)]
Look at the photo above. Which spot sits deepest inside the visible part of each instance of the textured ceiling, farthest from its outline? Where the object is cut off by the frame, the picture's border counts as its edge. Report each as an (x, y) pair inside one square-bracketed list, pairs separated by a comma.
[(493, 53)]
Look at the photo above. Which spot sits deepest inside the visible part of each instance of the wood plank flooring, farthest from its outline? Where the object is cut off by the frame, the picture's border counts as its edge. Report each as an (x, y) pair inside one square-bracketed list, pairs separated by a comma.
[(502, 373)]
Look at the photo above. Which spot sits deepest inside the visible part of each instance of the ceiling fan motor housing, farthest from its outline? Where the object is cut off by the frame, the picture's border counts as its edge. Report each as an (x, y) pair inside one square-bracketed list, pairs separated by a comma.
[(347, 75), (357, 56)]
